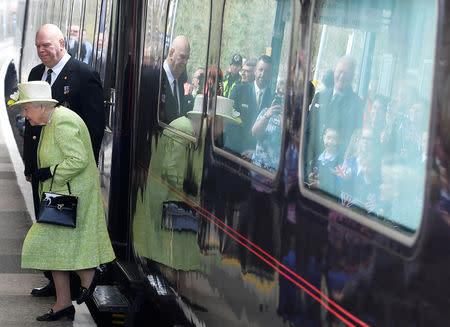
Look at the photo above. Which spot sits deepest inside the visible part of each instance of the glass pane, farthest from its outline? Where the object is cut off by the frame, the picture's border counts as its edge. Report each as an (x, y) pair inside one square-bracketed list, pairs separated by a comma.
[(65, 10), (56, 12), (367, 126), (184, 70), (102, 38), (253, 60), (74, 31), (88, 30)]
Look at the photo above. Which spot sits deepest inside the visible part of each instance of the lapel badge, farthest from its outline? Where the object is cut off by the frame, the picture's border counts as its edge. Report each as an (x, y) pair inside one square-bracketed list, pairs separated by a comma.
[(66, 89), (65, 77)]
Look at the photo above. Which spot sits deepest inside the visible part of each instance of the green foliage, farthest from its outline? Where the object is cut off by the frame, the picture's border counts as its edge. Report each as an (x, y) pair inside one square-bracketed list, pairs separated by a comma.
[(247, 29), (192, 21)]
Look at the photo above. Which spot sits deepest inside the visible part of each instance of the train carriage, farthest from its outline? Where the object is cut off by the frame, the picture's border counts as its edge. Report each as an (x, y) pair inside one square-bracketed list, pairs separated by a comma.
[(323, 203)]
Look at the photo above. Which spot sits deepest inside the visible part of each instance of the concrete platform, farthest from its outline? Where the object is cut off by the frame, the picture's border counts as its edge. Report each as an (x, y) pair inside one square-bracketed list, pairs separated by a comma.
[(17, 306)]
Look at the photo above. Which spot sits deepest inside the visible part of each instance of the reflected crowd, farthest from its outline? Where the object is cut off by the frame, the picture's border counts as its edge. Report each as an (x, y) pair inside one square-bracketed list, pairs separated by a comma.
[(368, 152)]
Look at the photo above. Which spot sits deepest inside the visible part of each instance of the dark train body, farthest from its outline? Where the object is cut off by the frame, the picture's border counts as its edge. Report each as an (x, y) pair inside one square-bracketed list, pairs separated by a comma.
[(213, 227)]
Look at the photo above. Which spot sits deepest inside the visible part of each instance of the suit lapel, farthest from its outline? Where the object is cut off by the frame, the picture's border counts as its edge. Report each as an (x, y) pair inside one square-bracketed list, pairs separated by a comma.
[(38, 73), (61, 86), (253, 96), (65, 73)]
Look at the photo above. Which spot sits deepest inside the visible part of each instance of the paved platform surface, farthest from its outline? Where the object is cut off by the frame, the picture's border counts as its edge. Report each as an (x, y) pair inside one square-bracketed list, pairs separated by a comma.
[(17, 307)]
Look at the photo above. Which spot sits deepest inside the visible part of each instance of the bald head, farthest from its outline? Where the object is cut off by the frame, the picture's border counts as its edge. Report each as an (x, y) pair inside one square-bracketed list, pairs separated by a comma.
[(178, 56), (50, 44), (344, 74)]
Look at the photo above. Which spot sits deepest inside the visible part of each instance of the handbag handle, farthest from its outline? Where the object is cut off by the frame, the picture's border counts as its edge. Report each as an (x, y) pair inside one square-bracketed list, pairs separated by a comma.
[(53, 177)]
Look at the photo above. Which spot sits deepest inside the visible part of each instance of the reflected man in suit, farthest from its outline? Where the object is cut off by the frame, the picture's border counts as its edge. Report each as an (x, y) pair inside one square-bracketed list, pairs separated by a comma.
[(339, 106), (76, 86), (249, 99), (173, 102)]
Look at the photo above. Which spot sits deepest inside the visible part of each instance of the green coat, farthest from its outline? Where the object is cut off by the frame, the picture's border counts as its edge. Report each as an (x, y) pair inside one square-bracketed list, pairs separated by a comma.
[(168, 170), (65, 141)]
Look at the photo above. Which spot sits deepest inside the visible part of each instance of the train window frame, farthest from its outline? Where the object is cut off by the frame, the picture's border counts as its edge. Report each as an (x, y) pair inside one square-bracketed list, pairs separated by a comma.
[(194, 139), (228, 155), (407, 242)]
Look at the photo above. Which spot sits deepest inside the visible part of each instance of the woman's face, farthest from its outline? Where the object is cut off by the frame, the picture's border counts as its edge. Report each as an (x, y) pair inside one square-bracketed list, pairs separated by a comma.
[(34, 113)]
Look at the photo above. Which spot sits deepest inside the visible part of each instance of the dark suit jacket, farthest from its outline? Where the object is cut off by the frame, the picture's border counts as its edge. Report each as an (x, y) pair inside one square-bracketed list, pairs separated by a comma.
[(78, 88), (244, 98), (168, 108), (344, 113), (239, 138)]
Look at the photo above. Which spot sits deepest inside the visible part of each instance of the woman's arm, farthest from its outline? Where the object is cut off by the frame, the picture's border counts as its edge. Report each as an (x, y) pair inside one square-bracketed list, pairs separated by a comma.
[(259, 127), (68, 137)]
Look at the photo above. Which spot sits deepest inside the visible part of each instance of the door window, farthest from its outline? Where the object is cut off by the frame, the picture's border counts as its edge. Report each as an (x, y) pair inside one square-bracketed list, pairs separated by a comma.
[(366, 131)]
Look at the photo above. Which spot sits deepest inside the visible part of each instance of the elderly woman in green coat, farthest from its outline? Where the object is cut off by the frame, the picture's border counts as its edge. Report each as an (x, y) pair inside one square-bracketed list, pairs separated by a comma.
[(64, 143)]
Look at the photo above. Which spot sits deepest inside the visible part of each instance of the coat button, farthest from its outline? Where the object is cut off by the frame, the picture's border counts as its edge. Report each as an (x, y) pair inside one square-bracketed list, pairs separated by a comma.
[(34, 137)]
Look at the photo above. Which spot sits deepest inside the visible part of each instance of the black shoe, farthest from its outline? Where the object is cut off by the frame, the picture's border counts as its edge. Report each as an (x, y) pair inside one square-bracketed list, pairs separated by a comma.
[(86, 293), (47, 290), (68, 312)]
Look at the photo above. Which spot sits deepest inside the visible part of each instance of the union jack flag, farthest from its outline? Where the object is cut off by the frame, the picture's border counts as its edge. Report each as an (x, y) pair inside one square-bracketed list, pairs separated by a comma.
[(341, 170), (346, 199), (371, 203)]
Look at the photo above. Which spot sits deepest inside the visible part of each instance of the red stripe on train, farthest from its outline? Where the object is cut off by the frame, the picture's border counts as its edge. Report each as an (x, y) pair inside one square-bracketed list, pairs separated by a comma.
[(274, 264)]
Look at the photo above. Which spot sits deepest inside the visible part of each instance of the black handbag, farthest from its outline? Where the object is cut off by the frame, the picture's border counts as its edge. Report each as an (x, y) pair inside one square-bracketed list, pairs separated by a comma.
[(58, 209)]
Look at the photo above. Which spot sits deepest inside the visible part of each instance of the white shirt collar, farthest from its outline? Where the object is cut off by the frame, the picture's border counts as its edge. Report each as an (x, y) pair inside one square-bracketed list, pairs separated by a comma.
[(168, 73), (57, 68)]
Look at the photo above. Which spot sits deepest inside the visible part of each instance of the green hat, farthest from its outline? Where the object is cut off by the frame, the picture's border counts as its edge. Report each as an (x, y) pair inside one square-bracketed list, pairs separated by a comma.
[(35, 91)]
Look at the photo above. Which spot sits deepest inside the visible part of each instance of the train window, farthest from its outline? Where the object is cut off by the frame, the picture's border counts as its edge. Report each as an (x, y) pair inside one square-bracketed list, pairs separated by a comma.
[(88, 31), (55, 13), (184, 66), (34, 20), (65, 15), (365, 136), (253, 64), (101, 40), (75, 30)]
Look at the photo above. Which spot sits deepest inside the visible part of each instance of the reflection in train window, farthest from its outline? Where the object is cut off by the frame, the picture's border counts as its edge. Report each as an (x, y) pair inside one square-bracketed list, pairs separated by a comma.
[(253, 64), (87, 35), (367, 126), (184, 66), (74, 31), (102, 37), (55, 13)]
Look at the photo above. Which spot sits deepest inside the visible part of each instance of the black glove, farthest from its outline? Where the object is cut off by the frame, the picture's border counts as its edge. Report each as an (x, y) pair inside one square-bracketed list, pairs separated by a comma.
[(44, 174)]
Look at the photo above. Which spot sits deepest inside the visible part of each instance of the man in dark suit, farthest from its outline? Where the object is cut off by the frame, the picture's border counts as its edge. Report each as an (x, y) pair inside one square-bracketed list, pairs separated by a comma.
[(76, 86), (173, 101), (249, 99), (338, 106)]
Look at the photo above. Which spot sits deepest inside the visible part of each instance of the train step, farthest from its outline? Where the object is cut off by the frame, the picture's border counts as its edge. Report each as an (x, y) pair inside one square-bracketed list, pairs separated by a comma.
[(109, 307)]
